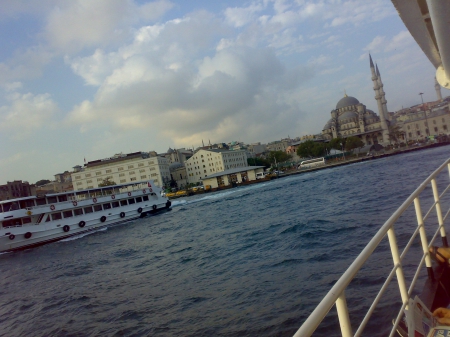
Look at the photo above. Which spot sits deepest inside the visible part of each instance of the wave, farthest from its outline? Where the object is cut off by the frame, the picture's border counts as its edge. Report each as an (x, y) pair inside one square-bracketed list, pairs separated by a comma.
[(79, 236)]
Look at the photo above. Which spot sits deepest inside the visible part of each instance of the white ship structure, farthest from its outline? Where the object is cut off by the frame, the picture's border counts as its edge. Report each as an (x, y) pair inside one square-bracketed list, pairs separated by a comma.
[(36, 220)]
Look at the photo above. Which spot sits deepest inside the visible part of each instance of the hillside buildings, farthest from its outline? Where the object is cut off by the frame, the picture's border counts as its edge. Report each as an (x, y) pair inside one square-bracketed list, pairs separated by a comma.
[(15, 189), (206, 162), (123, 168)]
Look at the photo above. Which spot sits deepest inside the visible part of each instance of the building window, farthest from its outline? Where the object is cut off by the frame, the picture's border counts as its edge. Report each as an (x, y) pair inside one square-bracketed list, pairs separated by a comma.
[(418, 133), (410, 135), (130, 166), (434, 121), (140, 164), (120, 169), (77, 177), (445, 127), (89, 181), (98, 173), (142, 170), (131, 172), (133, 179), (123, 180), (99, 179), (143, 177), (88, 175), (79, 183), (409, 127), (417, 126), (121, 174), (108, 171), (435, 129)]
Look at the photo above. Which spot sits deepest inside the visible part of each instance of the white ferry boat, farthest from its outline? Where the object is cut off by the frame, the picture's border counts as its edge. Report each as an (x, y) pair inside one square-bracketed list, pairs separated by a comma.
[(36, 220)]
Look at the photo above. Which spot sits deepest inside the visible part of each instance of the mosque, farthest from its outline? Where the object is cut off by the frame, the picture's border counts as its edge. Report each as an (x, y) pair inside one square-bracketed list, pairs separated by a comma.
[(352, 118)]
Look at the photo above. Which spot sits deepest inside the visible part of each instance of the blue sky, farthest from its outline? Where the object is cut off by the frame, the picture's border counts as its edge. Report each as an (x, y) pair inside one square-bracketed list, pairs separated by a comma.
[(88, 79)]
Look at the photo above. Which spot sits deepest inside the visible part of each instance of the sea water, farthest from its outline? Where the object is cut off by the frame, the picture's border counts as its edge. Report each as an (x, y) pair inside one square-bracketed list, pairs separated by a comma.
[(249, 261)]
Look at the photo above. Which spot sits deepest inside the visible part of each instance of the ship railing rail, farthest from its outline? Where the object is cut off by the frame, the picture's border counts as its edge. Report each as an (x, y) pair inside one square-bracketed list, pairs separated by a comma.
[(337, 295)]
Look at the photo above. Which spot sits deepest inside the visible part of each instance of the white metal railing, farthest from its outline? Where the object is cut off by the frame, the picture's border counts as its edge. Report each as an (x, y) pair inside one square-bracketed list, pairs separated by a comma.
[(336, 296)]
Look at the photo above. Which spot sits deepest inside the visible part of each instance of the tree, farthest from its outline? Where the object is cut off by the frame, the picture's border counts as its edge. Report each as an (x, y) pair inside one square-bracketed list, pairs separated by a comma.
[(42, 182), (306, 149), (337, 143), (353, 142), (107, 182), (395, 133), (278, 156)]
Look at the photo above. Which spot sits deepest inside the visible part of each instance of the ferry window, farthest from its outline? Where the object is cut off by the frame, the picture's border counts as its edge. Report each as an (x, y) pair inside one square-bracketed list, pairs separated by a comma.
[(115, 204), (26, 220), (7, 223), (29, 203), (62, 198), (87, 210), (131, 201), (51, 200), (97, 208), (7, 207), (145, 197), (67, 214), (138, 199), (56, 216), (123, 203), (48, 218), (78, 211), (107, 206)]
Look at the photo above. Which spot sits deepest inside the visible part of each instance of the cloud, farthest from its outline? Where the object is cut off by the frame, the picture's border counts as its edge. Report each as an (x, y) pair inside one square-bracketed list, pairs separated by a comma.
[(75, 25), (26, 114)]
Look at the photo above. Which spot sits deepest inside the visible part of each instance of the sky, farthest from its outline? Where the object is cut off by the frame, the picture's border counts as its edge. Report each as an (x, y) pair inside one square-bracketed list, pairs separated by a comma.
[(84, 80)]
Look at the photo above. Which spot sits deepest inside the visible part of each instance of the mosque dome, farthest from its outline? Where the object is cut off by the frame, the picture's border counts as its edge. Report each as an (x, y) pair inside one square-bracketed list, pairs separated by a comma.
[(170, 150), (348, 115), (328, 125), (346, 101)]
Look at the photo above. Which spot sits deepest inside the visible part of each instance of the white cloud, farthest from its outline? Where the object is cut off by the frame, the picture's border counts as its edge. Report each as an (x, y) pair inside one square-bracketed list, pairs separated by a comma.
[(26, 114), (239, 17), (75, 25)]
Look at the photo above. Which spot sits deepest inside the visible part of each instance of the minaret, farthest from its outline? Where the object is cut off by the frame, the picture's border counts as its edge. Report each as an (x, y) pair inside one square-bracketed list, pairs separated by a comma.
[(438, 90), (379, 97), (383, 95)]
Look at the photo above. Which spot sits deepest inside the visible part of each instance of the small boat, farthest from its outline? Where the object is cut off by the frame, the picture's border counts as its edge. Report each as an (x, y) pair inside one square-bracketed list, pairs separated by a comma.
[(36, 220)]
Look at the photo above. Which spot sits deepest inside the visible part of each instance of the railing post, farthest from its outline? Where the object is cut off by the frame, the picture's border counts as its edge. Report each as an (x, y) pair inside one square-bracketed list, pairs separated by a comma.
[(439, 212), (399, 270), (423, 237), (344, 318)]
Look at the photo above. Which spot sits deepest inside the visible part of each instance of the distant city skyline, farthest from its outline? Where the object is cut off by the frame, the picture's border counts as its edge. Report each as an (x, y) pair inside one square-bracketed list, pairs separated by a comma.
[(88, 79)]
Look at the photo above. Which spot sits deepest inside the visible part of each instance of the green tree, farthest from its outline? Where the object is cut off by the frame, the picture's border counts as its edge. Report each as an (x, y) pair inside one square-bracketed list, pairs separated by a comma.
[(337, 143), (353, 143), (395, 133), (278, 156), (306, 149), (107, 182), (42, 182)]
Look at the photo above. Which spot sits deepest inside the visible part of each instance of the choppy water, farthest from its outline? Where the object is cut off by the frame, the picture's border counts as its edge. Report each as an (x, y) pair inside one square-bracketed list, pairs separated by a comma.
[(251, 261)]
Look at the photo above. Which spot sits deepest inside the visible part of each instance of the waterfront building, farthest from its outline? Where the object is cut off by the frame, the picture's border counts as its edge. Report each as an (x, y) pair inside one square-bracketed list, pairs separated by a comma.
[(178, 155), (123, 168), (279, 145), (233, 176), (179, 175), (352, 118), (206, 162), (16, 189)]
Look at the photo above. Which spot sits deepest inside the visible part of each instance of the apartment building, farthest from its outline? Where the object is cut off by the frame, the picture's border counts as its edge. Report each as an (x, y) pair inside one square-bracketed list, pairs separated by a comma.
[(123, 168), (207, 162)]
